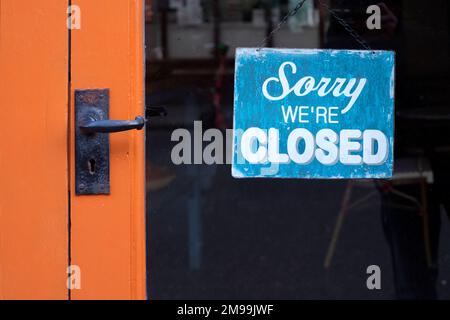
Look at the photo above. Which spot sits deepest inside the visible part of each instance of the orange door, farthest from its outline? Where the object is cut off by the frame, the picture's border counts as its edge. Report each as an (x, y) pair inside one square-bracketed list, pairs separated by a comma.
[(107, 238), (33, 150), (45, 227)]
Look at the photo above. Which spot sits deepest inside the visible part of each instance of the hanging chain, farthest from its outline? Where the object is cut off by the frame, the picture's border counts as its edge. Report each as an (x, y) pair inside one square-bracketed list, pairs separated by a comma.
[(355, 35), (352, 32), (283, 21)]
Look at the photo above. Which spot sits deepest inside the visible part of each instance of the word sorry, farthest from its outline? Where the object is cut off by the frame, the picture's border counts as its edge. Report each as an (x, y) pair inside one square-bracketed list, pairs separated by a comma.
[(306, 85)]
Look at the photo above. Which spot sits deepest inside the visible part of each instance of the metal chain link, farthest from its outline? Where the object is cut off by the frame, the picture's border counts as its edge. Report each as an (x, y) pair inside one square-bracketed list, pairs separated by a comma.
[(352, 32), (355, 35), (283, 21)]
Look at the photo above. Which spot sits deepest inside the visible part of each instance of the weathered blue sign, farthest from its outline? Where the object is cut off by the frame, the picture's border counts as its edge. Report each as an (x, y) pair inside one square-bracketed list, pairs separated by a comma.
[(325, 114)]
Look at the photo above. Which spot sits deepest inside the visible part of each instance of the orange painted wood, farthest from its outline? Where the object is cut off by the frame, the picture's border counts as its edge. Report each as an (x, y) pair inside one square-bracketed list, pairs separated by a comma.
[(108, 232), (33, 149)]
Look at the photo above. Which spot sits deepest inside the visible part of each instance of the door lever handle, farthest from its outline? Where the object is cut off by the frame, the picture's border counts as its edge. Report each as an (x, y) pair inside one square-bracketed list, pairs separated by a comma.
[(92, 151), (91, 125)]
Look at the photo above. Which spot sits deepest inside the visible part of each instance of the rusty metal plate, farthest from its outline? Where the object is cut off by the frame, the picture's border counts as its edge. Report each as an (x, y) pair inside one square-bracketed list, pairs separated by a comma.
[(92, 165)]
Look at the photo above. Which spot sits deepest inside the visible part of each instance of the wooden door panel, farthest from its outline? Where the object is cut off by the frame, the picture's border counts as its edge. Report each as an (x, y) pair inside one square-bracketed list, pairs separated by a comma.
[(33, 149)]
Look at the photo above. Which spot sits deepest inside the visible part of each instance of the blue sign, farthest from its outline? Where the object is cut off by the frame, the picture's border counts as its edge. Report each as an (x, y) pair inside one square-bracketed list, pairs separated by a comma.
[(313, 114)]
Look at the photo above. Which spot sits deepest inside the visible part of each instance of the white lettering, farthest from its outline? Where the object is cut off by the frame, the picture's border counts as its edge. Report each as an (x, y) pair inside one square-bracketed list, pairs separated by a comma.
[(349, 147), (350, 88), (250, 138), (293, 141), (369, 155), (326, 140)]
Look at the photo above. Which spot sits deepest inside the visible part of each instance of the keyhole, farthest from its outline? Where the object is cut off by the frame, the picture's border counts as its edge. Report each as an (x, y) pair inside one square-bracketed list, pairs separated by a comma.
[(91, 166)]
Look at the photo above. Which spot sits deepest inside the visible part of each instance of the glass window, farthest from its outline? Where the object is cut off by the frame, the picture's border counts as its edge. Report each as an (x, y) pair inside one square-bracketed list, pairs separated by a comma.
[(211, 236)]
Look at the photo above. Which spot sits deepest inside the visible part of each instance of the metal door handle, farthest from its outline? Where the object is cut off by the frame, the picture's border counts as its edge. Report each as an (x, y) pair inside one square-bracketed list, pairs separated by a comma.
[(92, 151), (110, 126)]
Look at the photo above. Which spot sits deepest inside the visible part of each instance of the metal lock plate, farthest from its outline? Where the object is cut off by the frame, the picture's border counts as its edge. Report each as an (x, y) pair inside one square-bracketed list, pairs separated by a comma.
[(92, 166)]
